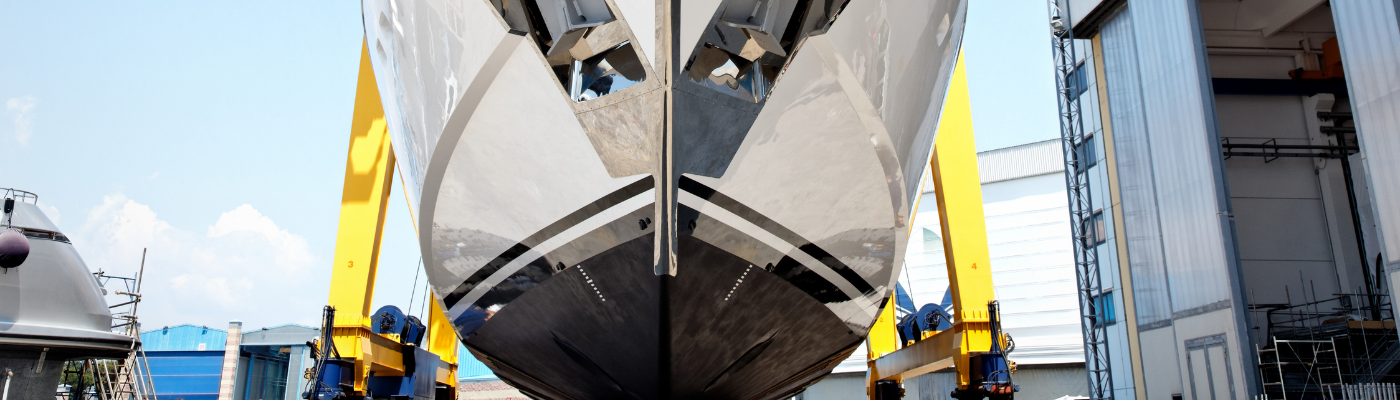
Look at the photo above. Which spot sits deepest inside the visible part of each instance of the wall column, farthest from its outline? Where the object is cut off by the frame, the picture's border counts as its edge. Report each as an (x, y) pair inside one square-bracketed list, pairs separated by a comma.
[(230, 368)]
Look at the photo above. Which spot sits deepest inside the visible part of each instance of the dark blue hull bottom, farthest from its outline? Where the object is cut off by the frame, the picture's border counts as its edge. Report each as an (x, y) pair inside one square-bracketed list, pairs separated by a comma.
[(612, 329)]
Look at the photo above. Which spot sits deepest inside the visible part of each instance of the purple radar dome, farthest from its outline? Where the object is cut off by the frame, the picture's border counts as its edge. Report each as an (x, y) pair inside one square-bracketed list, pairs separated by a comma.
[(14, 248)]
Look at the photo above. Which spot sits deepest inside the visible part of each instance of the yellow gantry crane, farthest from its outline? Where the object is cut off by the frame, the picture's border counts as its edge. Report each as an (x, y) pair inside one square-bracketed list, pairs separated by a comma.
[(373, 354), (968, 345)]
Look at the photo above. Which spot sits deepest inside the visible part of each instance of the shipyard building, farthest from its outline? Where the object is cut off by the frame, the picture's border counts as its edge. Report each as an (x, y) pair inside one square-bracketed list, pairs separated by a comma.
[(186, 362), (1028, 234), (1235, 194)]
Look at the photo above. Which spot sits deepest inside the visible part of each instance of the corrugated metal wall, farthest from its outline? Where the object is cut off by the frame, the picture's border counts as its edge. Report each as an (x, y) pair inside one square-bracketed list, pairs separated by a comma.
[(289, 334), (1181, 242), (1185, 158), (1137, 192), (180, 368), (469, 368), (1039, 158), (265, 373), (184, 338), (1370, 40), (188, 375), (845, 387)]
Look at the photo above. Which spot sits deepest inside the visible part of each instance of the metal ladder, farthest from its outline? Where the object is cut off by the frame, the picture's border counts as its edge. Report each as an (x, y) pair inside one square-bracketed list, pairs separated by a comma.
[(1315, 360), (128, 383)]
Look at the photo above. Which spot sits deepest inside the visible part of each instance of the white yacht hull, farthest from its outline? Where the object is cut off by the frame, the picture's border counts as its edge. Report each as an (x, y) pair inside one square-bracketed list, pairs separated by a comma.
[(663, 199)]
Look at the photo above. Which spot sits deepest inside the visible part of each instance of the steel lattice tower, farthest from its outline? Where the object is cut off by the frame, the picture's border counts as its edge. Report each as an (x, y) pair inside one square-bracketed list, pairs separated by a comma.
[(1081, 209)]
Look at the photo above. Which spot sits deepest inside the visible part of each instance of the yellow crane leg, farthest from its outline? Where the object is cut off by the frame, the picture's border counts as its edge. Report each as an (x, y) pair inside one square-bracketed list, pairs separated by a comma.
[(959, 190), (442, 340), (882, 340), (957, 186), (369, 171)]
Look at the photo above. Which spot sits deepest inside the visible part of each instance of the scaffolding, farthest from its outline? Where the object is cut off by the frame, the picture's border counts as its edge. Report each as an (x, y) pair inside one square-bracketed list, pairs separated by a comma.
[(1301, 367), (1092, 321), (1342, 345), (106, 379), (1318, 346)]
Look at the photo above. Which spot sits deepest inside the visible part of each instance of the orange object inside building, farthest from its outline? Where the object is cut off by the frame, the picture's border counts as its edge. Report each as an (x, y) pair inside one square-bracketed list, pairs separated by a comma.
[(1331, 64)]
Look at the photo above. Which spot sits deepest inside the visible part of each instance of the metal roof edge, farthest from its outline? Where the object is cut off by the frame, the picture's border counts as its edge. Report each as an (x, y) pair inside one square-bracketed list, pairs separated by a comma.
[(1016, 162)]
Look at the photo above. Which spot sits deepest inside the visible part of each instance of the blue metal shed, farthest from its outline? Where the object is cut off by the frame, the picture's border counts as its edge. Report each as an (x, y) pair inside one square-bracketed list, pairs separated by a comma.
[(184, 338), (186, 361), (186, 375), (471, 369)]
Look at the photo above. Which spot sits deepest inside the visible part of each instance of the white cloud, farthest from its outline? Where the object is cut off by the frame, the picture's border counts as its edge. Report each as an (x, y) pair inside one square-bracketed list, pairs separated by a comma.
[(290, 251), (23, 109), (244, 267)]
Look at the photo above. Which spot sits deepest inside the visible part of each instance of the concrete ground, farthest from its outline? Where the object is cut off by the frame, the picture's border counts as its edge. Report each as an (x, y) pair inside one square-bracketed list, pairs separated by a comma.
[(1036, 382), (487, 390)]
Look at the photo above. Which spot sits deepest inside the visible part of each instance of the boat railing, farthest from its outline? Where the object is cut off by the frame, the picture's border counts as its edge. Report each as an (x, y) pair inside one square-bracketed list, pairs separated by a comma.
[(27, 197)]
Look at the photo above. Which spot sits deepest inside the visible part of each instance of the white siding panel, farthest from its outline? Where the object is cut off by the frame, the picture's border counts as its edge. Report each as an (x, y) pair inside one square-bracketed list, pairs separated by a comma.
[(1032, 263), (1030, 219), (1184, 153), (1147, 265), (854, 363), (1370, 40), (1032, 231), (1078, 9), (1031, 254)]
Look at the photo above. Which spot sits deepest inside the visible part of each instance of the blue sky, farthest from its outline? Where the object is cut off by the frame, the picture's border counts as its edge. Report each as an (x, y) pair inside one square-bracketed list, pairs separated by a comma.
[(215, 134)]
